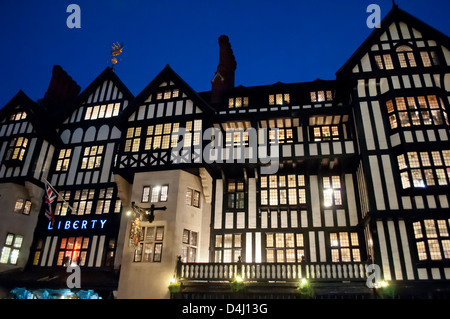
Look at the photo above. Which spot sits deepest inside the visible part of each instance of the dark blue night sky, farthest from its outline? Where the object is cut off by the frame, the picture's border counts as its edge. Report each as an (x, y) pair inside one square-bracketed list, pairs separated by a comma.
[(287, 41)]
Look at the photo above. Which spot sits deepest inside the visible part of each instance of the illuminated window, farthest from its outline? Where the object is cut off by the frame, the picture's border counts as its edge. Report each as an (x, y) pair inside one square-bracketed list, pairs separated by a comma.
[(73, 251), (415, 111), (280, 131), (62, 206), (104, 202), (11, 249), (424, 168), (283, 190), (332, 191), (160, 136), (133, 139), (235, 195), (37, 252), (109, 259), (150, 245), (279, 99), (17, 148), (321, 96), (18, 116), (284, 247), (227, 248), (325, 133), (344, 247), (406, 56), (189, 249), (429, 58), (285, 135), (83, 201), (63, 160), (192, 197), (384, 62), (102, 111), (22, 206), (193, 133), (237, 102), (432, 239), (236, 137), (92, 157), (168, 94), (155, 194)]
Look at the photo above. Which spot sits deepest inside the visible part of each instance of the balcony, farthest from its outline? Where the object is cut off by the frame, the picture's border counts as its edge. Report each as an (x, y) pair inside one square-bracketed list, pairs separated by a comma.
[(271, 280), (272, 272)]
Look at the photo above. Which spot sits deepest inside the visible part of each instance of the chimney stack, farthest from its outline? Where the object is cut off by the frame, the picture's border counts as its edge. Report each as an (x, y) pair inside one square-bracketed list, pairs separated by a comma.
[(61, 90), (223, 80)]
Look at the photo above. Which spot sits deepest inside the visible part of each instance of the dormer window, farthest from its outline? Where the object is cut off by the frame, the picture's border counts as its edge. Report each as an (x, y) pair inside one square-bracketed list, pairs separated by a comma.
[(321, 96), (406, 56), (18, 116), (237, 102), (279, 99)]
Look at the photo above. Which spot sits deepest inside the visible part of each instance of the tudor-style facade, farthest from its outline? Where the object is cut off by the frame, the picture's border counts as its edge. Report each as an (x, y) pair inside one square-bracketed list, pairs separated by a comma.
[(27, 146), (400, 101), (274, 183)]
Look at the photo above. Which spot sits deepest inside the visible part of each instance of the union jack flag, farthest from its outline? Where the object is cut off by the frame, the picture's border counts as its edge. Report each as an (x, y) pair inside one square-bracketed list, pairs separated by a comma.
[(49, 199)]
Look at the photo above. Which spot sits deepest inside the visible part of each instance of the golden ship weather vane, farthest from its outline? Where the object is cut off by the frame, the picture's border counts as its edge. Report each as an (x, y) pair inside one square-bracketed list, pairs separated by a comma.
[(116, 50)]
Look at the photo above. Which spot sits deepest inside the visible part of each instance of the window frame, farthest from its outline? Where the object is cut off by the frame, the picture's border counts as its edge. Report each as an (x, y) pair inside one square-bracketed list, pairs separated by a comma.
[(228, 248), (190, 200), (416, 111), (236, 197), (423, 234), (10, 252), (321, 96), (273, 247), (331, 192), (63, 160), (279, 99), (189, 246), (97, 158), (424, 169), (80, 254), (160, 197), (277, 190), (17, 149), (154, 242), (24, 208), (337, 246)]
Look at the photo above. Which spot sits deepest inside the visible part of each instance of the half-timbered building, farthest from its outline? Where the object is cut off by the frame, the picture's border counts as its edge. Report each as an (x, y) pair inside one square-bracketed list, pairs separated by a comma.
[(340, 185)]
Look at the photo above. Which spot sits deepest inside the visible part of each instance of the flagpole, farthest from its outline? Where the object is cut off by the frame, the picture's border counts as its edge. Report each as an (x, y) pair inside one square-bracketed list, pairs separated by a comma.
[(51, 186)]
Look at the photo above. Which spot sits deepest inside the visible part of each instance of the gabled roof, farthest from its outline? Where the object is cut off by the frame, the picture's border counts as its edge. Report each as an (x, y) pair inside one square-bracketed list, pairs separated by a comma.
[(42, 124), (107, 74), (167, 74), (395, 15)]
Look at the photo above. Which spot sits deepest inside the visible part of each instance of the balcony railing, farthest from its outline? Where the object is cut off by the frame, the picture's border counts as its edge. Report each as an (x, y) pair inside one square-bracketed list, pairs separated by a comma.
[(264, 272)]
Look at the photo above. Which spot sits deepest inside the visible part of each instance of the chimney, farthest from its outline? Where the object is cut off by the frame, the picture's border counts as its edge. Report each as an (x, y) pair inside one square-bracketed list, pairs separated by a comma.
[(223, 80), (61, 90)]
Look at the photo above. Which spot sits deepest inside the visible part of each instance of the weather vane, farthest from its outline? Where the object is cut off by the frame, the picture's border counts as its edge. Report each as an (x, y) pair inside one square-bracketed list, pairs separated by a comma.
[(115, 51)]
